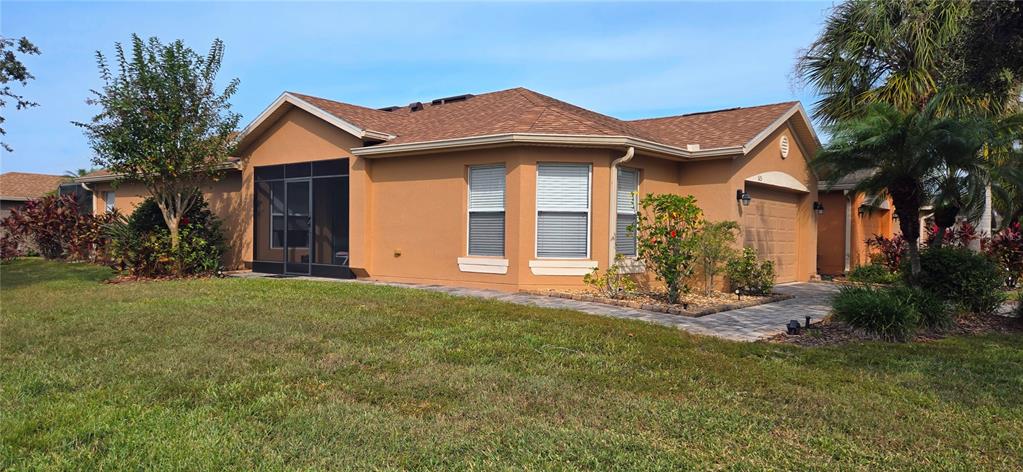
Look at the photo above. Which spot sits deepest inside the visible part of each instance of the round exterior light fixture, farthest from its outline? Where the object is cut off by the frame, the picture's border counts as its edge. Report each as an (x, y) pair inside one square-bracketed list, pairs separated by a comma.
[(742, 196), (784, 145)]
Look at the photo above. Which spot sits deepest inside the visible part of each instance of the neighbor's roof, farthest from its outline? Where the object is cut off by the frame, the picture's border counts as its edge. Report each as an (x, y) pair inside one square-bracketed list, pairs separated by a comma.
[(104, 175), (522, 112), (22, 186)]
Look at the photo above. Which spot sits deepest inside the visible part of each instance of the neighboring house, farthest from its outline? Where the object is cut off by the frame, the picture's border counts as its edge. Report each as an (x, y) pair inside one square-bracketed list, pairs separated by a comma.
[(848, 221), (509, 189), (18, 187)]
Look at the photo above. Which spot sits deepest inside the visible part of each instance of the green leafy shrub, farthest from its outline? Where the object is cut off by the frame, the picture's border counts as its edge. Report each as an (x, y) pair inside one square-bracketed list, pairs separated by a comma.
[(877, 310), (933, 310), (748, 274), (664, 234), (872, 274), (613, 283), (961, 277), (141, 245), (715, 243)]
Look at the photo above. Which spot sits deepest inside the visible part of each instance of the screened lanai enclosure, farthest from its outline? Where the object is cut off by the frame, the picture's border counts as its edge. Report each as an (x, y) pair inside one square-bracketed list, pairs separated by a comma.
[(301, 219)]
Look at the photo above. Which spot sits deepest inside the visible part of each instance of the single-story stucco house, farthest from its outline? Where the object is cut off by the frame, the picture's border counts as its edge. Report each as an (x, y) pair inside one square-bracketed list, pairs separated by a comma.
[(509, 190), (16, 188)]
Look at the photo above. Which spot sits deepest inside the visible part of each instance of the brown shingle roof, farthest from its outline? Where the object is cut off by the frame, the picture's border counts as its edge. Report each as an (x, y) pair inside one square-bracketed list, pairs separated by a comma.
[(516, 110), (715, 129), (24, 185)]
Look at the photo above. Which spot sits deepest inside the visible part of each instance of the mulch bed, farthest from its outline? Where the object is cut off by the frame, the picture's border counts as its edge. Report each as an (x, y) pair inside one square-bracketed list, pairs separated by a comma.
[(829, 332), (693, 304)]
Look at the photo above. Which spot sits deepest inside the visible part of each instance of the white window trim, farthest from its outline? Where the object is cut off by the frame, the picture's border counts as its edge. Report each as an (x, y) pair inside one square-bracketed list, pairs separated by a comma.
[(469, 211), (619, 212), (536, 217), (109, 201), (561, 267), (483, 265)]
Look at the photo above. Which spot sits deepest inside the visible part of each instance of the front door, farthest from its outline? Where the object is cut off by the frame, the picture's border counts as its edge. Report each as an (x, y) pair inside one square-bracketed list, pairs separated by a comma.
[(299, 223)]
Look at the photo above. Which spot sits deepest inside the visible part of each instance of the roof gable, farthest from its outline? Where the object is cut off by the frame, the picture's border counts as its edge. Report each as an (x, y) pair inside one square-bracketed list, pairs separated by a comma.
[(519, 113)]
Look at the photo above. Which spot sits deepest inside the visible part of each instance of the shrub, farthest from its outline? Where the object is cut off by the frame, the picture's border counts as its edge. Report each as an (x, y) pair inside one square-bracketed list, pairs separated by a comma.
[(1006, 249), (872, 274), (141, 245), (933, 310), (750, 275), (961, 277), (890, 251), (877, 310), (613, 284), (958, 236), (714, 247), (664, 233), (56, 228)]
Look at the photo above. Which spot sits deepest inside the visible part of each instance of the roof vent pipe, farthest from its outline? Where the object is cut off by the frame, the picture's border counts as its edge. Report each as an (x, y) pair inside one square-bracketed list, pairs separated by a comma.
[(415, 106), (613, 213)]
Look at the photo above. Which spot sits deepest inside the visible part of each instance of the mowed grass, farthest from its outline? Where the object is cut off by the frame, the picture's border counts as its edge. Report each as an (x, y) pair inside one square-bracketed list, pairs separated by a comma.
[(286, 374)]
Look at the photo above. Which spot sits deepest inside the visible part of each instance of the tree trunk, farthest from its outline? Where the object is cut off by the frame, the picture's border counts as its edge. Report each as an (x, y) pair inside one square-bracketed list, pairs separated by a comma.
[(944, 218), (906, 196)]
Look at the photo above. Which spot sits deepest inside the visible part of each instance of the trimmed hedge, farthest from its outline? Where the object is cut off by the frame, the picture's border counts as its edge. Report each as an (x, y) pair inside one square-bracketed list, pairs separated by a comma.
[(961, 277)]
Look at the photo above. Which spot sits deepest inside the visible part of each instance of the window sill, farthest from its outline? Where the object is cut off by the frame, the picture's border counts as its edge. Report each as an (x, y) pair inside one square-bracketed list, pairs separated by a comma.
[(562, 267), (483, 265), (631, 265)]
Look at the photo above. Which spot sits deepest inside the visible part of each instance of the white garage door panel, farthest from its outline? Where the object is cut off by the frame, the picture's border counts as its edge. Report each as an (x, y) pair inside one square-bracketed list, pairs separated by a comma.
[(769, 226)]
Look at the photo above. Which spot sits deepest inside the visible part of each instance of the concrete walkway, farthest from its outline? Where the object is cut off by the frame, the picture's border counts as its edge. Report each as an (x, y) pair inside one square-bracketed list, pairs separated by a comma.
[(745, 324)]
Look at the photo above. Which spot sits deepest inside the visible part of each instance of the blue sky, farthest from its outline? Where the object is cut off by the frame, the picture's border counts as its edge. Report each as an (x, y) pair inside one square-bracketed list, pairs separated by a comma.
[(627, 60)]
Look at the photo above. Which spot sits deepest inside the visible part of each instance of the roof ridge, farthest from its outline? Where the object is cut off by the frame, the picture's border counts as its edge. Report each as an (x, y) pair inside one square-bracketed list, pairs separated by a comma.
[(710, 112), (361, 107)]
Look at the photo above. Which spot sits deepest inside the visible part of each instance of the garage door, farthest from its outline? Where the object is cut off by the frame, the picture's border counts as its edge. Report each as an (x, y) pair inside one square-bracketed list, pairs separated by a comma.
[(769, 226)]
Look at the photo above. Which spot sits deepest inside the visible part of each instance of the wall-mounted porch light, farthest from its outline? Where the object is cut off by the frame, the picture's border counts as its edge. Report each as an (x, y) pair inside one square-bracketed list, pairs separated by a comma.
[(742, 196), (860, 212), (818, 208)]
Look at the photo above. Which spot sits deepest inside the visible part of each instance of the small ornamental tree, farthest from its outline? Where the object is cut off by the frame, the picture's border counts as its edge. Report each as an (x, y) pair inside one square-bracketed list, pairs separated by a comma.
[(715, 245), (665, 230), (163, 123)]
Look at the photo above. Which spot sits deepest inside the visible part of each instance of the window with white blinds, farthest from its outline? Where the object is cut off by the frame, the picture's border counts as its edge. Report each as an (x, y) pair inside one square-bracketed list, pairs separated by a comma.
[(486, 210), (628, 185), (563, 210)]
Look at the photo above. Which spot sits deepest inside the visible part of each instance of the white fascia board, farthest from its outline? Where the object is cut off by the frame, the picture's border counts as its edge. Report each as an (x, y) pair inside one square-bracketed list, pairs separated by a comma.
[(113, 177), (542, 139), (316, 111), (761, 136)]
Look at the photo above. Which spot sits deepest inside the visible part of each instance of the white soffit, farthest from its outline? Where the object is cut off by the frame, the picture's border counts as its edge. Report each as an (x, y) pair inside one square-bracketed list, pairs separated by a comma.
[(780, 180)]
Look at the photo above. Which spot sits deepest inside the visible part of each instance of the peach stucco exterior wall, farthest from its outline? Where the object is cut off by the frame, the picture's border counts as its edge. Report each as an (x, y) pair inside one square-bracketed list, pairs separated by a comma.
[(831, 233), (223, 197), (714, 183), (831, 241)]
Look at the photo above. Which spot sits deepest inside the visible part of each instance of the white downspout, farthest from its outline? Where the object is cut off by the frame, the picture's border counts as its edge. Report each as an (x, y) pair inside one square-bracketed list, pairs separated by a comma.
[(613, 217), (848, 229)]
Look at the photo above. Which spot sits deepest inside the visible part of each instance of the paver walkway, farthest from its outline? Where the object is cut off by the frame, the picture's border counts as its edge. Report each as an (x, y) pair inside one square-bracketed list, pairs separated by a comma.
[(745, 324)]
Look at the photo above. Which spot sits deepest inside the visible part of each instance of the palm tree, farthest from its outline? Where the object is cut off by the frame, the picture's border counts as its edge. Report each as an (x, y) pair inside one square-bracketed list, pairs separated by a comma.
[(891, 52), (80, 172), (907, 156)]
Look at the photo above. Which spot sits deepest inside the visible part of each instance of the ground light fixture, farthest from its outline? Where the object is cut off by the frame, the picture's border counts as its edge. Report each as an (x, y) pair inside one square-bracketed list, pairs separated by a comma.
[(807, 321), (792, 327), (818, 208), (1010, 282), (742, 196)]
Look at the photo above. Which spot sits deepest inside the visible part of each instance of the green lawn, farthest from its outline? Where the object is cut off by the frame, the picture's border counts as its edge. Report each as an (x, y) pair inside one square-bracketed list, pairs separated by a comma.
[(311, 375)]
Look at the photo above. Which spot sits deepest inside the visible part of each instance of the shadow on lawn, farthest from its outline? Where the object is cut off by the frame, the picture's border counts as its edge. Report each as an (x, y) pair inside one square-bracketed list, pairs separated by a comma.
[(31, 271)]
